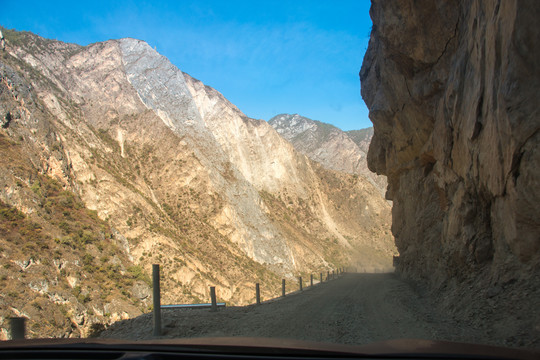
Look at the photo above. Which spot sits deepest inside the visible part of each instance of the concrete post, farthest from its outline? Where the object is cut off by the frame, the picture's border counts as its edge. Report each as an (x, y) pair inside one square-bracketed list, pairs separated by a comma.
[(311, 279), (257, 294), (283, 287), (300, 282), (156, 295), (213, 297), (17, 328)]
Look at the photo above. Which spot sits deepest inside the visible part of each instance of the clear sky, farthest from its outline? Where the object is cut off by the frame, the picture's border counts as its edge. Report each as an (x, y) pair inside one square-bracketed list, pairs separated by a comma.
[(266, 57)]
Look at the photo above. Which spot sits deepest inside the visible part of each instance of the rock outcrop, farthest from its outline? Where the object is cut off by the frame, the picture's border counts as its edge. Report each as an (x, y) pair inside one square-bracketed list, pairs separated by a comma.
[(453, 91)]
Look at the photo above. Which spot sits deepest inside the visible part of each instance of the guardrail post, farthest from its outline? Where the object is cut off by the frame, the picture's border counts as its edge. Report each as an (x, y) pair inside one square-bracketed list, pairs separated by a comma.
[(300, 281), (156, 295), (333, 274), (257, 294), (17, 328), (213, 297), (283, 287), (328, 275), (311, 279)]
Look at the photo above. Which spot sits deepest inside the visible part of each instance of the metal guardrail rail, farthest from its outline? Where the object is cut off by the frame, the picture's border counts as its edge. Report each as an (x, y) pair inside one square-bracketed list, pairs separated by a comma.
[(194, 306), (213, 306)]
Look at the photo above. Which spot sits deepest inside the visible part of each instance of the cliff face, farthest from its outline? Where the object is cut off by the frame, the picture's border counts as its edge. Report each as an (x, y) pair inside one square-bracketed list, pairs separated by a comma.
[(452, 89), (333, 148)]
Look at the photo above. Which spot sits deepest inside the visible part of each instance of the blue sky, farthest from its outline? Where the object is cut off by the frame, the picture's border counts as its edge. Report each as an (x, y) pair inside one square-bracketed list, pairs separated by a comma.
[(266, 57)]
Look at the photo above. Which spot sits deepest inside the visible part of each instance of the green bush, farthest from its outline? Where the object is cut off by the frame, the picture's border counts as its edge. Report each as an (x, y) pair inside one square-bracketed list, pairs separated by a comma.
[(138, 273)]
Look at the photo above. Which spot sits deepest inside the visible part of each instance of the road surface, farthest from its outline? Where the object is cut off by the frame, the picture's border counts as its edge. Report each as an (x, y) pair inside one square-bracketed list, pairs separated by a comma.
[(353, 309)]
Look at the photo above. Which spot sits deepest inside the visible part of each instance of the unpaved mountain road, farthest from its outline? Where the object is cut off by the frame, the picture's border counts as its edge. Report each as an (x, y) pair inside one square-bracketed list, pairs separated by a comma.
[(353, 309)]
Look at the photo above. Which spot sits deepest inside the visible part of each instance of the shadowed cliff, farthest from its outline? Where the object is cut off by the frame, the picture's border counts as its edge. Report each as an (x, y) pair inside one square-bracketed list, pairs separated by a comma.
[(452, 89)]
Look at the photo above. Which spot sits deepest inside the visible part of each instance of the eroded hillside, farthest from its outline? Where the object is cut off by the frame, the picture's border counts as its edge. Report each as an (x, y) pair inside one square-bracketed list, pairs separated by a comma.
[(160, 169), (333, 148)]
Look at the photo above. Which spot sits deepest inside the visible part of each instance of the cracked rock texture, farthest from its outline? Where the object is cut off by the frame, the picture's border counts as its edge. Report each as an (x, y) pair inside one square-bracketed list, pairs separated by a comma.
[(452, 89), (453, 94)]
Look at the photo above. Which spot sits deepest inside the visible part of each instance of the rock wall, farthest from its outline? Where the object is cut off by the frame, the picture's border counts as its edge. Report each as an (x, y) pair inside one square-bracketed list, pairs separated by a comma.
[(452, 88)]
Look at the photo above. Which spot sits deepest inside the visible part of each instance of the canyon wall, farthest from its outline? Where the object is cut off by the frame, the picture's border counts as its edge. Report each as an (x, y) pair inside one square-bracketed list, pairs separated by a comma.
[(452, 88), (112, 159)]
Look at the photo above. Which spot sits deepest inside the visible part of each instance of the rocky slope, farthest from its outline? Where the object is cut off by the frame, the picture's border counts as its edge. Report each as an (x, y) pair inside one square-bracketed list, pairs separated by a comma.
[(362, 138), (333, 148), (452, 89), (168, 172)]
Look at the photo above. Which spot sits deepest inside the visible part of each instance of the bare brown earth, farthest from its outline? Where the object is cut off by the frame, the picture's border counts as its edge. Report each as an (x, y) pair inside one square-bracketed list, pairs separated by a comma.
[(353, 309)]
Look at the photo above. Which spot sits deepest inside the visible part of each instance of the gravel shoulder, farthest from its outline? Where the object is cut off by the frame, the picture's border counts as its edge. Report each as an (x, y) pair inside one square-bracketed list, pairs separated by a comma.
[(353, 309)]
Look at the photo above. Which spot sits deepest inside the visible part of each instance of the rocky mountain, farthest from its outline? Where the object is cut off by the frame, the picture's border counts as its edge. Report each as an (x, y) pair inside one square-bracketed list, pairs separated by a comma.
[(452, 89), (362, 138), (333, 148), (114, 160)]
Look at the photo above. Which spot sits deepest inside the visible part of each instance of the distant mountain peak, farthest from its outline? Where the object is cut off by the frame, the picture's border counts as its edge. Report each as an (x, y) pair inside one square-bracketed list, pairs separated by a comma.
[(287, 125), (333, 148)]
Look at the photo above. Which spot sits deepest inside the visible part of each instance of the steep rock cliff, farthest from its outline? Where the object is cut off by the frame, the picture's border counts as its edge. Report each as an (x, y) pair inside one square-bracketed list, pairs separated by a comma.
[(452, 89)]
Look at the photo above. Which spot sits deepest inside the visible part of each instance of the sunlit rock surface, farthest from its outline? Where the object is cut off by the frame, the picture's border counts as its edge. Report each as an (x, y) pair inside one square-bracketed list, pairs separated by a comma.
[(330, 146), (114, 160)]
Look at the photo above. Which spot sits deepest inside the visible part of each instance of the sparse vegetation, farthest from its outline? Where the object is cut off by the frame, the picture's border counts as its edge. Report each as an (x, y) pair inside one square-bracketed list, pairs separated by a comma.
[(138, 273), (62, 249), (96, 329), (81, 231)]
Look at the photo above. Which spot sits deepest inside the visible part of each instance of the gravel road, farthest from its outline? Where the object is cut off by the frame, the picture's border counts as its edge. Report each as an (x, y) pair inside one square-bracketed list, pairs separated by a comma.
[(353, 309)]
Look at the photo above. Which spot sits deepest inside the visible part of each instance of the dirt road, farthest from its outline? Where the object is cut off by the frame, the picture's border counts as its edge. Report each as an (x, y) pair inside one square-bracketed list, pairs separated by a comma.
[(354, 309)]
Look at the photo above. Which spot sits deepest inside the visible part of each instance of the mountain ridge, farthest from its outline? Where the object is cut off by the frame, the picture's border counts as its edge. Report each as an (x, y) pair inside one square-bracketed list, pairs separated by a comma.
[(327, 144)]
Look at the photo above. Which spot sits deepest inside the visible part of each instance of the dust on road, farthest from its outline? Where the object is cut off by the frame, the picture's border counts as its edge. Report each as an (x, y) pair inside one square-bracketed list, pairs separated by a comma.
[(353, 309)]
